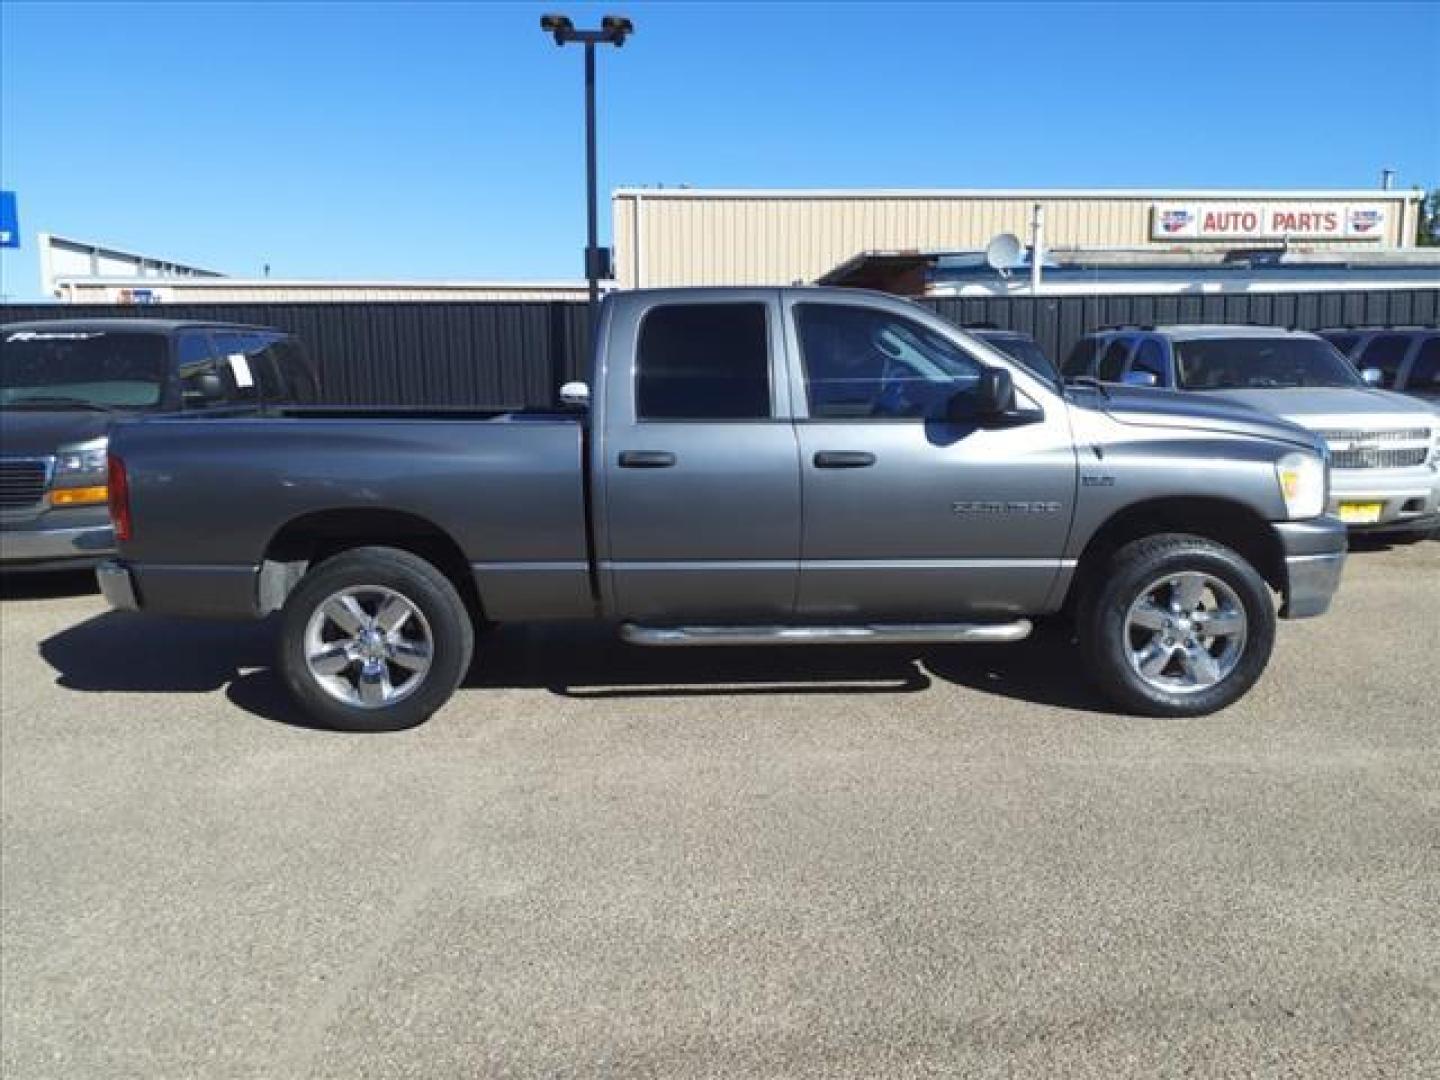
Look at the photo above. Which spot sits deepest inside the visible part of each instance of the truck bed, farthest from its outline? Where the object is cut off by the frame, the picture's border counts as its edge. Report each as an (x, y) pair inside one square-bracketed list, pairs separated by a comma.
[(211, 493)]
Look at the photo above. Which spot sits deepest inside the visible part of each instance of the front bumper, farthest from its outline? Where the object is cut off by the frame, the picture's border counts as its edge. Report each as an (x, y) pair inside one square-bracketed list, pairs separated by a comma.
[(1408, 498), (55, 549), (1314, 560)]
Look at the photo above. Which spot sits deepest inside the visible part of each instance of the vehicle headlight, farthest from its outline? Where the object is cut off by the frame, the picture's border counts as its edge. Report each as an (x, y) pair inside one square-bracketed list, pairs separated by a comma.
[(1302, 484), (87, 457)]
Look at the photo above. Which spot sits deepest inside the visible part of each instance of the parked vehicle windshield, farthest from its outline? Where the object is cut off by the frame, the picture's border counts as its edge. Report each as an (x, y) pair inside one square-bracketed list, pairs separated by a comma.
[(1261, 363), (81, 370)]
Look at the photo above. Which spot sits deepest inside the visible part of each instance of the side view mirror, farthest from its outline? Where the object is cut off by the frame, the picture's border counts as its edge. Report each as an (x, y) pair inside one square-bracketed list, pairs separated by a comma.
[(992, 396), (1140, 378), (1373, 376), (995, 392), (575, 395), (210, 387)]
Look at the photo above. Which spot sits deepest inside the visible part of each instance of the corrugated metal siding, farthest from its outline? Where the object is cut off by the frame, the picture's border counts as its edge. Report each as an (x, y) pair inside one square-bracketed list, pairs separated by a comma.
[(492, 355), (706, 239), (501, 355)]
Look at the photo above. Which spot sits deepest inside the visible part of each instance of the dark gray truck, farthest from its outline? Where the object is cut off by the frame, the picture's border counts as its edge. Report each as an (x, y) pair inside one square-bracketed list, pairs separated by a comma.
[(65, 382), (756, 465)]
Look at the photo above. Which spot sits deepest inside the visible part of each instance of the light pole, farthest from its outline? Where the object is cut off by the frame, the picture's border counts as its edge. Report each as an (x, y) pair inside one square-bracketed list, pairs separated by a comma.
[(614, 29)]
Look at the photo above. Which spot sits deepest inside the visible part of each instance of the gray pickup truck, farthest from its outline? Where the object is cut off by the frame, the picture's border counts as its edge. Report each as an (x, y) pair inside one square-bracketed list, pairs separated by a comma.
[(786, 466)]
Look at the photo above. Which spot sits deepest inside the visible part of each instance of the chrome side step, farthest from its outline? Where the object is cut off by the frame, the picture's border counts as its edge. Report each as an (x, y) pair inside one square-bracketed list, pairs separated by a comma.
[(868, 634)]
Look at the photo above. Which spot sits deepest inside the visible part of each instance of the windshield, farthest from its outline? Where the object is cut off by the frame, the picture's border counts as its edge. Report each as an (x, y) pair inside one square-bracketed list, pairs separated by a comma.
[(1027, 352), (1261, 363), (42, 369)]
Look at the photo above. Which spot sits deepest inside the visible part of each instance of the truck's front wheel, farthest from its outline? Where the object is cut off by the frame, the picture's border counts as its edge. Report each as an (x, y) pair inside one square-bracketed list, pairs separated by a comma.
[(1177, 625), (374, 639)]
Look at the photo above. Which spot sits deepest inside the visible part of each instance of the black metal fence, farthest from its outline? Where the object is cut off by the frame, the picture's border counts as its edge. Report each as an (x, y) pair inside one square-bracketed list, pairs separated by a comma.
[(517, 354)]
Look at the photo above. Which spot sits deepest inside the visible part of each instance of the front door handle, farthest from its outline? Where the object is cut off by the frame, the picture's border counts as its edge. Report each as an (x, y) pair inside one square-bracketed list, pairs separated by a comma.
[(844, 459), (646, 459)]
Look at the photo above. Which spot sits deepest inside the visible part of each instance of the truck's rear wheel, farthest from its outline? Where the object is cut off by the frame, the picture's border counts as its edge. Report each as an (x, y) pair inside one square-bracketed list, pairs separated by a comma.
[(374, 639), (1177, 625)]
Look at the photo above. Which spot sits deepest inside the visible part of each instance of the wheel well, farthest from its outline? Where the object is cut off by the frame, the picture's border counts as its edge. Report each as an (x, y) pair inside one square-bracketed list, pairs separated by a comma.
[(1232, 524), (313, 538)]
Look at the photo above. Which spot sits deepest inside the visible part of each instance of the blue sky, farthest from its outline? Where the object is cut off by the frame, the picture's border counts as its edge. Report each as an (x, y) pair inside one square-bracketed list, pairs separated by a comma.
[(444, 139)]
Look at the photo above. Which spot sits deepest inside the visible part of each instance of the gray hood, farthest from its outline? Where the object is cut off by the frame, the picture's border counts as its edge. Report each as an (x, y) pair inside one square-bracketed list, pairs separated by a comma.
[(37, 433), (1146, 407), (1330, 406)]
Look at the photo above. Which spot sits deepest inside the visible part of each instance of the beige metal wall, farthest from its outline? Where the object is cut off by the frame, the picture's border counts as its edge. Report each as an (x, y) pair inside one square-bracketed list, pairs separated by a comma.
[(697, 237), (230, 291)]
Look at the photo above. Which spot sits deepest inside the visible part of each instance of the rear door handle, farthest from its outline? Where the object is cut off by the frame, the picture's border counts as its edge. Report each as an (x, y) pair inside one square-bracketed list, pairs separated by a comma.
[(844, 459), (646, 459)]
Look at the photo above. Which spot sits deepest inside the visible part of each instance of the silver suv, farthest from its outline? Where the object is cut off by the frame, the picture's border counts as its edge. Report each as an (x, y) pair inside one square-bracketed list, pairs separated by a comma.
[(1384, 447)]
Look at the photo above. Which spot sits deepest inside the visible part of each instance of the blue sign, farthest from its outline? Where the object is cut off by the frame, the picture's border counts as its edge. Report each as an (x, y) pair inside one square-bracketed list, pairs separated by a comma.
[(9, 221)]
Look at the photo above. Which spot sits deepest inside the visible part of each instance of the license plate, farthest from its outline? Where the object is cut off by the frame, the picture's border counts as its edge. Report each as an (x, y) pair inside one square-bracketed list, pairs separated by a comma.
[(1360, 513)]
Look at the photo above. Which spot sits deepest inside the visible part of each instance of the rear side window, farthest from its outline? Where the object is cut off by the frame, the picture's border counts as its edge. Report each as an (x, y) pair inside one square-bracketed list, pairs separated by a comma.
[(1425, 374), (703, 362), (1113, 362), (1081, 360), (1386, 352)]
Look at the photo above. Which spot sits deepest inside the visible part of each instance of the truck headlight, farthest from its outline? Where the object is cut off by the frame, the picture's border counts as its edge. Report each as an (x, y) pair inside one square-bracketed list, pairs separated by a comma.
[(1302, 485), (87, 457)]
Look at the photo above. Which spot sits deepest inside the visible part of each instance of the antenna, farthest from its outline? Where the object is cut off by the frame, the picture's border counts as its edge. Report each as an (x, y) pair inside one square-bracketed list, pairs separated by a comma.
[(1004, 253)]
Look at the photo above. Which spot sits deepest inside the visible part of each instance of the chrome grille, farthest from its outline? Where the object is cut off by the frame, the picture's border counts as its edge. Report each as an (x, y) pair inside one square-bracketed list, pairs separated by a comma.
[(23, 482), (1396, 448), (1394, 435)]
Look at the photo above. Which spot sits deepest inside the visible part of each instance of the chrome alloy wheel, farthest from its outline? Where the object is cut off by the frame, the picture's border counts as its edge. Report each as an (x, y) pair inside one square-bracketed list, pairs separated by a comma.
[(1185, 632), (368, 646)]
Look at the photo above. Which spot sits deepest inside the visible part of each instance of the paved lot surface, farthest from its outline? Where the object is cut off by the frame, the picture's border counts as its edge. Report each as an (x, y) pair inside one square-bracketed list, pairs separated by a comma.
[(605, 862)]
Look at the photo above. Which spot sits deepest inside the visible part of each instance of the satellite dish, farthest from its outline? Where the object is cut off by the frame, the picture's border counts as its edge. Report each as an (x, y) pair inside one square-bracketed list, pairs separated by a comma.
[(1005, 252)]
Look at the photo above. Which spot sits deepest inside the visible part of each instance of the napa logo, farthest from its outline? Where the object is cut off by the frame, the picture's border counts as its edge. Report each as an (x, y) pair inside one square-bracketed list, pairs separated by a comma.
[(1174, 221), (1365, 221)]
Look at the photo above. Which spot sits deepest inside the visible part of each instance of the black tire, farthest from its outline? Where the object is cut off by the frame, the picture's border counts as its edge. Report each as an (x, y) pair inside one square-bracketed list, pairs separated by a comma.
[(446, 623), (1105, 639)]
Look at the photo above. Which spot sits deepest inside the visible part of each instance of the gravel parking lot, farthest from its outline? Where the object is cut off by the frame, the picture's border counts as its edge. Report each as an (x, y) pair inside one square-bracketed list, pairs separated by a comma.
[(603, 861)]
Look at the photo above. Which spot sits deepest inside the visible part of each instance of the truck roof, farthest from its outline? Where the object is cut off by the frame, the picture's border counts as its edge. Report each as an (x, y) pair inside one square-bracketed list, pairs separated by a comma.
[(114, 325), (1190, 331)]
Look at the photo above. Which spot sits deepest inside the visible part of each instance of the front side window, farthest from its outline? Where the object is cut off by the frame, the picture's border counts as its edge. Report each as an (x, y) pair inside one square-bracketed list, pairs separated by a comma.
[(251, 377), (1344, 342), (863, 363), (1150, 359), (1261, 363), (1081, 360), (81, 369), (1386, 352), (703, 362)]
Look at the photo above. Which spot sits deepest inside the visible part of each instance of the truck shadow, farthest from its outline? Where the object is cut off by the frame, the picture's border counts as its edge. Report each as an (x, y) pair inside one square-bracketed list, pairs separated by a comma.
[(123, 653), (47, 585)]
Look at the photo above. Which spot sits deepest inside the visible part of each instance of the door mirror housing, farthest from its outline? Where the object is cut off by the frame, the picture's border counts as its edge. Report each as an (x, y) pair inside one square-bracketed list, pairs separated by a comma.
[(994, 393), (1140, 378), (1373, 376), (575, 395), (210, 387), (991, 402)]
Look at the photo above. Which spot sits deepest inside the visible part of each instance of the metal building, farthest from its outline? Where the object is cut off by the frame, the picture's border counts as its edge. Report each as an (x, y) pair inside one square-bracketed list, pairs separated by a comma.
[(692, 236)]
